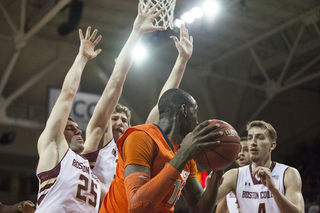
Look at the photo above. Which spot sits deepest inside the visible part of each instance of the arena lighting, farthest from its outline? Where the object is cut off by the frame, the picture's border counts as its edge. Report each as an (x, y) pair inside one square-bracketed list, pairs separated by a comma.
[(197, 12), (187, 17), (140, 53), (211, 7), (177, 22)]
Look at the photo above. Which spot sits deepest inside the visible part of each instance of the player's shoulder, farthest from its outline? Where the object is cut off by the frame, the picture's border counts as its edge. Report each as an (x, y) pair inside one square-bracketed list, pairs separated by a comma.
[(292, 172), (232, 173), (138, 134), (292, 178), (139, 138)]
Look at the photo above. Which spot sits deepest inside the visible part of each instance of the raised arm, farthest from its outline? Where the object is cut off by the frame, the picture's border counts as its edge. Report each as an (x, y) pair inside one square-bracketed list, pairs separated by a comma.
[(185, 49), (292, 201), (52, 144), (100, 120)]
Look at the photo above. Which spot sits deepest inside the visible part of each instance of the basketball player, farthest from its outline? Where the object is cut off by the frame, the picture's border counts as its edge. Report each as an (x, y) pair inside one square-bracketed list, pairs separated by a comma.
[(230, 203), (24, 207), (103, 156), (155, 162), (264, 185), (66, 182)]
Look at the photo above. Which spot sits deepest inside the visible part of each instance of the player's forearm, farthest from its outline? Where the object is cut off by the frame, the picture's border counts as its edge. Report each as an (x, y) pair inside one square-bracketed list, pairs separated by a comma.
[(222, 206), (284, 205), (9, 209), (179, 161), (173, 81), (208, 199), (73, 77), (58, 117), (176, 74), (126, 55), (112, 92), (143, 197)]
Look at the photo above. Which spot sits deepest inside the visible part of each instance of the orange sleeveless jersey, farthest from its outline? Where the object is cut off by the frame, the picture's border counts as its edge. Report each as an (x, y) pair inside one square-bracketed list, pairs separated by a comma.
[(116, 200)]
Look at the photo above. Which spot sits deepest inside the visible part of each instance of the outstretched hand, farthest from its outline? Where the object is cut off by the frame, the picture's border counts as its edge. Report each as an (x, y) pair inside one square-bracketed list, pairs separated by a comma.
[(200, 138), (88, 43), (26, 207), (185, 44), (144, 21)]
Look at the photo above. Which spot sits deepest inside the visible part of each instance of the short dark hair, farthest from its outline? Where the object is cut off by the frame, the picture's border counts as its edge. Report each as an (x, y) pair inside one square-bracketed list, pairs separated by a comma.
[(171, 101), (123, 109), (71, 119), (266, 126)]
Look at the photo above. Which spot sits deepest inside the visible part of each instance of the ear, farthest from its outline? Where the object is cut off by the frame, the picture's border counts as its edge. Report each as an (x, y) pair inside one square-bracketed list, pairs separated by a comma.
[(273, 145), (184, 110)]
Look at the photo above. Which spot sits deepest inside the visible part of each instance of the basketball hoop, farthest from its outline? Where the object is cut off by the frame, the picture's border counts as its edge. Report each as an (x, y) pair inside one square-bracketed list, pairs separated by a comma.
[(165, 19)]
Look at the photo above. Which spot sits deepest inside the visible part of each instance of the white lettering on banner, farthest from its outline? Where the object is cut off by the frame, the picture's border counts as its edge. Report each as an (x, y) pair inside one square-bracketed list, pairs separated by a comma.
[(82, 107)]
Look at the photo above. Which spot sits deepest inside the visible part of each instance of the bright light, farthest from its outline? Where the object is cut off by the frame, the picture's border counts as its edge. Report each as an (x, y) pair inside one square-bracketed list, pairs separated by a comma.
[(140, 53), (211, 7), (197, 12), (187, 17), (178, 22)]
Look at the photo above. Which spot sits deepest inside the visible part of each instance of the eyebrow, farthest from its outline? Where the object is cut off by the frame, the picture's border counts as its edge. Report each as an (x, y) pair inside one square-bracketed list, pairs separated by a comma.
[(70, 125)]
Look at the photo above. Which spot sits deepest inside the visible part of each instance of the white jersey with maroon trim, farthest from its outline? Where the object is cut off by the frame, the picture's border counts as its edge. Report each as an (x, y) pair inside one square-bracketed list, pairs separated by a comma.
[(103, 163), (69, 187), (232, 203), (253, 196)]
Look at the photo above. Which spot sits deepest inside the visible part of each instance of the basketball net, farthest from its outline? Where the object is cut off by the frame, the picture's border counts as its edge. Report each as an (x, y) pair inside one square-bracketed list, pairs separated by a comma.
[(166, 17)]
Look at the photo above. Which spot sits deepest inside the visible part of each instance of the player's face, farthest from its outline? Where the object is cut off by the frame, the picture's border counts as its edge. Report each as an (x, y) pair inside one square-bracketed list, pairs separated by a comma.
[(192, 117), (244, 157), (73, 136), (119, 124), (259, 144)]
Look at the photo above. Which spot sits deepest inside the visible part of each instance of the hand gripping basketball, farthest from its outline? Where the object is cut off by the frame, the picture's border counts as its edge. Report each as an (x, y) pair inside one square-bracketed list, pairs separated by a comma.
[(219, 158), (201, 137)]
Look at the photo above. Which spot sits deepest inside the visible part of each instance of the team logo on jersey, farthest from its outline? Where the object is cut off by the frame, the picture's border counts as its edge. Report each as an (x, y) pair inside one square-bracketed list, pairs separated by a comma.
[(114, 152), (184, 174)]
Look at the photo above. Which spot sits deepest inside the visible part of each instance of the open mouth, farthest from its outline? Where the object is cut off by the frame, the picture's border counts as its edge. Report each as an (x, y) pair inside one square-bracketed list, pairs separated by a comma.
[(118, 130)]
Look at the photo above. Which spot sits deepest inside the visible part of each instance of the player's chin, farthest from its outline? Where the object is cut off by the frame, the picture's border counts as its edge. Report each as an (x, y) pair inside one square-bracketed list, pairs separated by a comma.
[(241, 164), (117, 135)]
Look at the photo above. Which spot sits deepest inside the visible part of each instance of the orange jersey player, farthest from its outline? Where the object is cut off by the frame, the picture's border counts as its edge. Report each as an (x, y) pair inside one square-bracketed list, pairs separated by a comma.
[(155, 162), (152, 142)]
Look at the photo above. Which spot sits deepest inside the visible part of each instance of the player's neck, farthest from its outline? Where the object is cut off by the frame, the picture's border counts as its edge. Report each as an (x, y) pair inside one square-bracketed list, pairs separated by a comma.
[(171, 130), (264, 163)]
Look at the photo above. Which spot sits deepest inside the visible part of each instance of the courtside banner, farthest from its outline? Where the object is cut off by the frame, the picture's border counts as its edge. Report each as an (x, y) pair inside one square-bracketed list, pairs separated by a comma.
[(82, 107)]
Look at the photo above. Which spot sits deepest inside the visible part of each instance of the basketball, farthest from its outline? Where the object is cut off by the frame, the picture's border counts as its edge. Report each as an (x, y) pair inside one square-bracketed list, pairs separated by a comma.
[(223, 156)]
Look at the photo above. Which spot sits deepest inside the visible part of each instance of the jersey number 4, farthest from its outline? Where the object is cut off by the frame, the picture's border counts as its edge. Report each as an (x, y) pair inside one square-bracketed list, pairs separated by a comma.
[(262, 208), (85, 188)]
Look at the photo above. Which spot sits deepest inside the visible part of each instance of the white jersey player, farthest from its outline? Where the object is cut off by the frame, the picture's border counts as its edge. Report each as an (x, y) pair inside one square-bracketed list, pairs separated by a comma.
[(103, 163), (69, 182), (252, 195), (272, 187)]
